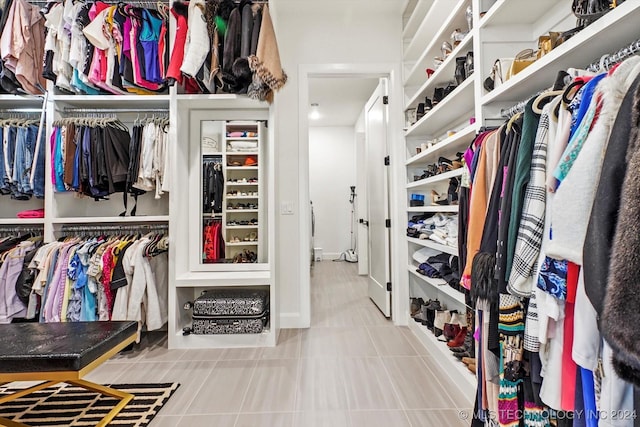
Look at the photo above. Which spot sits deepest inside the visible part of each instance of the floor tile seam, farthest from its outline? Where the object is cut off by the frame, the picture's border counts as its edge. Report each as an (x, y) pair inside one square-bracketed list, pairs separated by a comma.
[(197, 392), (417, 341), (298, 383), (246, 392), (390, 378), (444, 389)]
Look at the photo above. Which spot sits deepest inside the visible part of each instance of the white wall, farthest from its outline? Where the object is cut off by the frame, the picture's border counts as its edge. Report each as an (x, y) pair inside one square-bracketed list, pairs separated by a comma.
[(317, 32), (332, 170)]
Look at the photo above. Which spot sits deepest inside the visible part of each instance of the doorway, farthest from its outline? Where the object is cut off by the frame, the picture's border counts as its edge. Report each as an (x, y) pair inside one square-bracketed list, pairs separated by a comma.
[(312, 79)]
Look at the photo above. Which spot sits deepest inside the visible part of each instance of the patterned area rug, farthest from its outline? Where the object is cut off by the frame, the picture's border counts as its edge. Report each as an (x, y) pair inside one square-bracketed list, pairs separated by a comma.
[(65, 405)]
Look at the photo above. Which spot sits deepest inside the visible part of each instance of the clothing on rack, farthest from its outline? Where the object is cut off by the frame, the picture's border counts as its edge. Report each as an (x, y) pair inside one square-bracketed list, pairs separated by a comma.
[(213, 242), (98, 157), (225, 47), (94, 47), (22, 42), (101, 278), (16, 279), (17, 155), (213, 185), (552, 200)]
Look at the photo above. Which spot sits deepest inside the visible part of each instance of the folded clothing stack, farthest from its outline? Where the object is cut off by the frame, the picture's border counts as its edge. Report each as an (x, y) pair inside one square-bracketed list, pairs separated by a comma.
[(438, 266), (440, 228)]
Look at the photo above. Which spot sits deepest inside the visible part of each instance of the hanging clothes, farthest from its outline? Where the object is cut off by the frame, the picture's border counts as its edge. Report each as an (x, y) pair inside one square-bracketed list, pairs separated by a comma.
[(17, 155)]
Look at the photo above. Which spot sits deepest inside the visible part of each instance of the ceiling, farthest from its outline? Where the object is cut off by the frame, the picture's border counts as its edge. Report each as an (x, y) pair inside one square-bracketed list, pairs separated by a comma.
[(340, 100)]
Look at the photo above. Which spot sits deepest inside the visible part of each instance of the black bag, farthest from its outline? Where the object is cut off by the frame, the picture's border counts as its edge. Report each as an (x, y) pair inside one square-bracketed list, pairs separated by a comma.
[(229, 311), (588, 11)]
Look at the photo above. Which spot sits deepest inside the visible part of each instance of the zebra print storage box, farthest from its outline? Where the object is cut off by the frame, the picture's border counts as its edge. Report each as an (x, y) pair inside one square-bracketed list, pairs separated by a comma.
[(229, 311)]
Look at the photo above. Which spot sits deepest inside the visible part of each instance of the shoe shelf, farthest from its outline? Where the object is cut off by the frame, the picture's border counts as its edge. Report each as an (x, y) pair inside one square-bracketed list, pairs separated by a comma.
[(434, 179), (254, 243), (239, 227), (241, 183), (439, 284), (611, 32), (517, 12), (242, 168), (441, 355), (456, 107), (231, 211), (447, 147), (437, 246), (416, 17), (241, 197), (443, 74), (439, 11), (434, 208)]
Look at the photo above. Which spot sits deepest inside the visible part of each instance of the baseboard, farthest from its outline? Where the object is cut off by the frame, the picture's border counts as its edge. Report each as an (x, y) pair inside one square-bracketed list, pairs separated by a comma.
[(330, 256), (291, 321)]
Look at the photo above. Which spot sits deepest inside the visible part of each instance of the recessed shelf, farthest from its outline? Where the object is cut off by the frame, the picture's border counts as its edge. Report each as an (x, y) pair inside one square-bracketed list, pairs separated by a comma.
[(448, 20), (613, 31), (237, 227), (114, 101), (230, 211), (434, 179), (241, 183), (443, 74), (434, 208), (460, 139), (428, 29), (255, 243), (519, 12), (417, 16), (451, 110), (242, 168), (437, 246), (439, 284)]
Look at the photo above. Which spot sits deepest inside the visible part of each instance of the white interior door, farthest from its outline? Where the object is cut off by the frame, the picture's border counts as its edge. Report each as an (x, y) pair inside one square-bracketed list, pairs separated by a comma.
[(376, 119), (362, 204)]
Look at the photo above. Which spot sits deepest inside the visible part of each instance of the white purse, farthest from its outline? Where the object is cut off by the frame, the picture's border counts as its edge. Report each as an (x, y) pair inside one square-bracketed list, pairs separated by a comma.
[(498, 74)]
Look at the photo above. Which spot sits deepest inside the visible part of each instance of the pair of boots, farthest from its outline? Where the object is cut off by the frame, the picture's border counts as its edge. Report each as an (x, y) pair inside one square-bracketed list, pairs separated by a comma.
[(424, 312)]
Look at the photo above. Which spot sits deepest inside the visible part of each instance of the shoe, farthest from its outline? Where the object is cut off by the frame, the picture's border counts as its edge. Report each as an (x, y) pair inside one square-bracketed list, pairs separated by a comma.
[(438, 95), (460, 73), (472, 368), (233, 163), (459, 339), (468, 360), (451, 330), (462, 355), (251, 161), (253, 236), (416, 304)]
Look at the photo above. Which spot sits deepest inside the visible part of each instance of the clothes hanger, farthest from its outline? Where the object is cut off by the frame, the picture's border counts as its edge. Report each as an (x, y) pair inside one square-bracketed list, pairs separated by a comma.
[(537, 108)]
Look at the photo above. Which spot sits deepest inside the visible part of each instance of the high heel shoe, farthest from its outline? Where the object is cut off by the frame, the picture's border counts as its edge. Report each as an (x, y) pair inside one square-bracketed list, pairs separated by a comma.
[(459, 339)]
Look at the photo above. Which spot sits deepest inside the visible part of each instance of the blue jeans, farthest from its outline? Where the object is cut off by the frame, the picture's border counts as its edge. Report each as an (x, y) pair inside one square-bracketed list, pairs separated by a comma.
[(3, 171), (25, 147), (9, 145), (38, 178)]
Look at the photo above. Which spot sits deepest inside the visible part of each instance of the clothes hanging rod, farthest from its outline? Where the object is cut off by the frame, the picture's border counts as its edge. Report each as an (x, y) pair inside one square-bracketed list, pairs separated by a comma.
[(21, 110), (115, 110), (609, 60), (113, 227)]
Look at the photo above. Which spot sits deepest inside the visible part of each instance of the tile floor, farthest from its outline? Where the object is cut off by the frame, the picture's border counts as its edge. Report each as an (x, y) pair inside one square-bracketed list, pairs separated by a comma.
[(352, 368)]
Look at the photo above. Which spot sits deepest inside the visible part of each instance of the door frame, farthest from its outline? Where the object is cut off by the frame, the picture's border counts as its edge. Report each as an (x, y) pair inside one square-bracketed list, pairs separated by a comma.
[(397, 194)]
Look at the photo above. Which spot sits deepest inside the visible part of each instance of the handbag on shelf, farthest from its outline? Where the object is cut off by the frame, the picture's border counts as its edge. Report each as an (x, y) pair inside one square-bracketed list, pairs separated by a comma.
[(523, 59), (589, 11), (498, 73)]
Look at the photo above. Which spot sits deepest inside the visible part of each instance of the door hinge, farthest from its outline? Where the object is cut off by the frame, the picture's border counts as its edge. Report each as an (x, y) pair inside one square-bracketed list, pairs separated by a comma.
[(387, 223), (385, 100), (387, 161), (388, 286)]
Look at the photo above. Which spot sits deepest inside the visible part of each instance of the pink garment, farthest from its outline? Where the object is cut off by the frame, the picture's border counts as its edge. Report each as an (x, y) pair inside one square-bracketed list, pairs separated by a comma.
[(569, 367), (35, 213)]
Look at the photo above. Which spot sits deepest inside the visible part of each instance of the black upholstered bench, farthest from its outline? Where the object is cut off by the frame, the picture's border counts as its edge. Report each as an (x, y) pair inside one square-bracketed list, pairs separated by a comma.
[(61, 352)]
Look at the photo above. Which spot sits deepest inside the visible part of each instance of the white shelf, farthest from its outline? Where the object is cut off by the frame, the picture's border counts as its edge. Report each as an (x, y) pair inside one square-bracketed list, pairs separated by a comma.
[(434, 208), (417, 16), (444, 357), (255, 243), (21, 101), (241, 210), (519, 12), (443, 74), (460, 139), (21, 221), (450, 111), (608, 34), (242, 168), (439, 284), (238, 227), (221, 101), (437, 246), (113, 101), (428, 30), (448, 19), (240, 138), (111, 219), (241, 197), (241, 183), (434, 179), (265, 339)]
